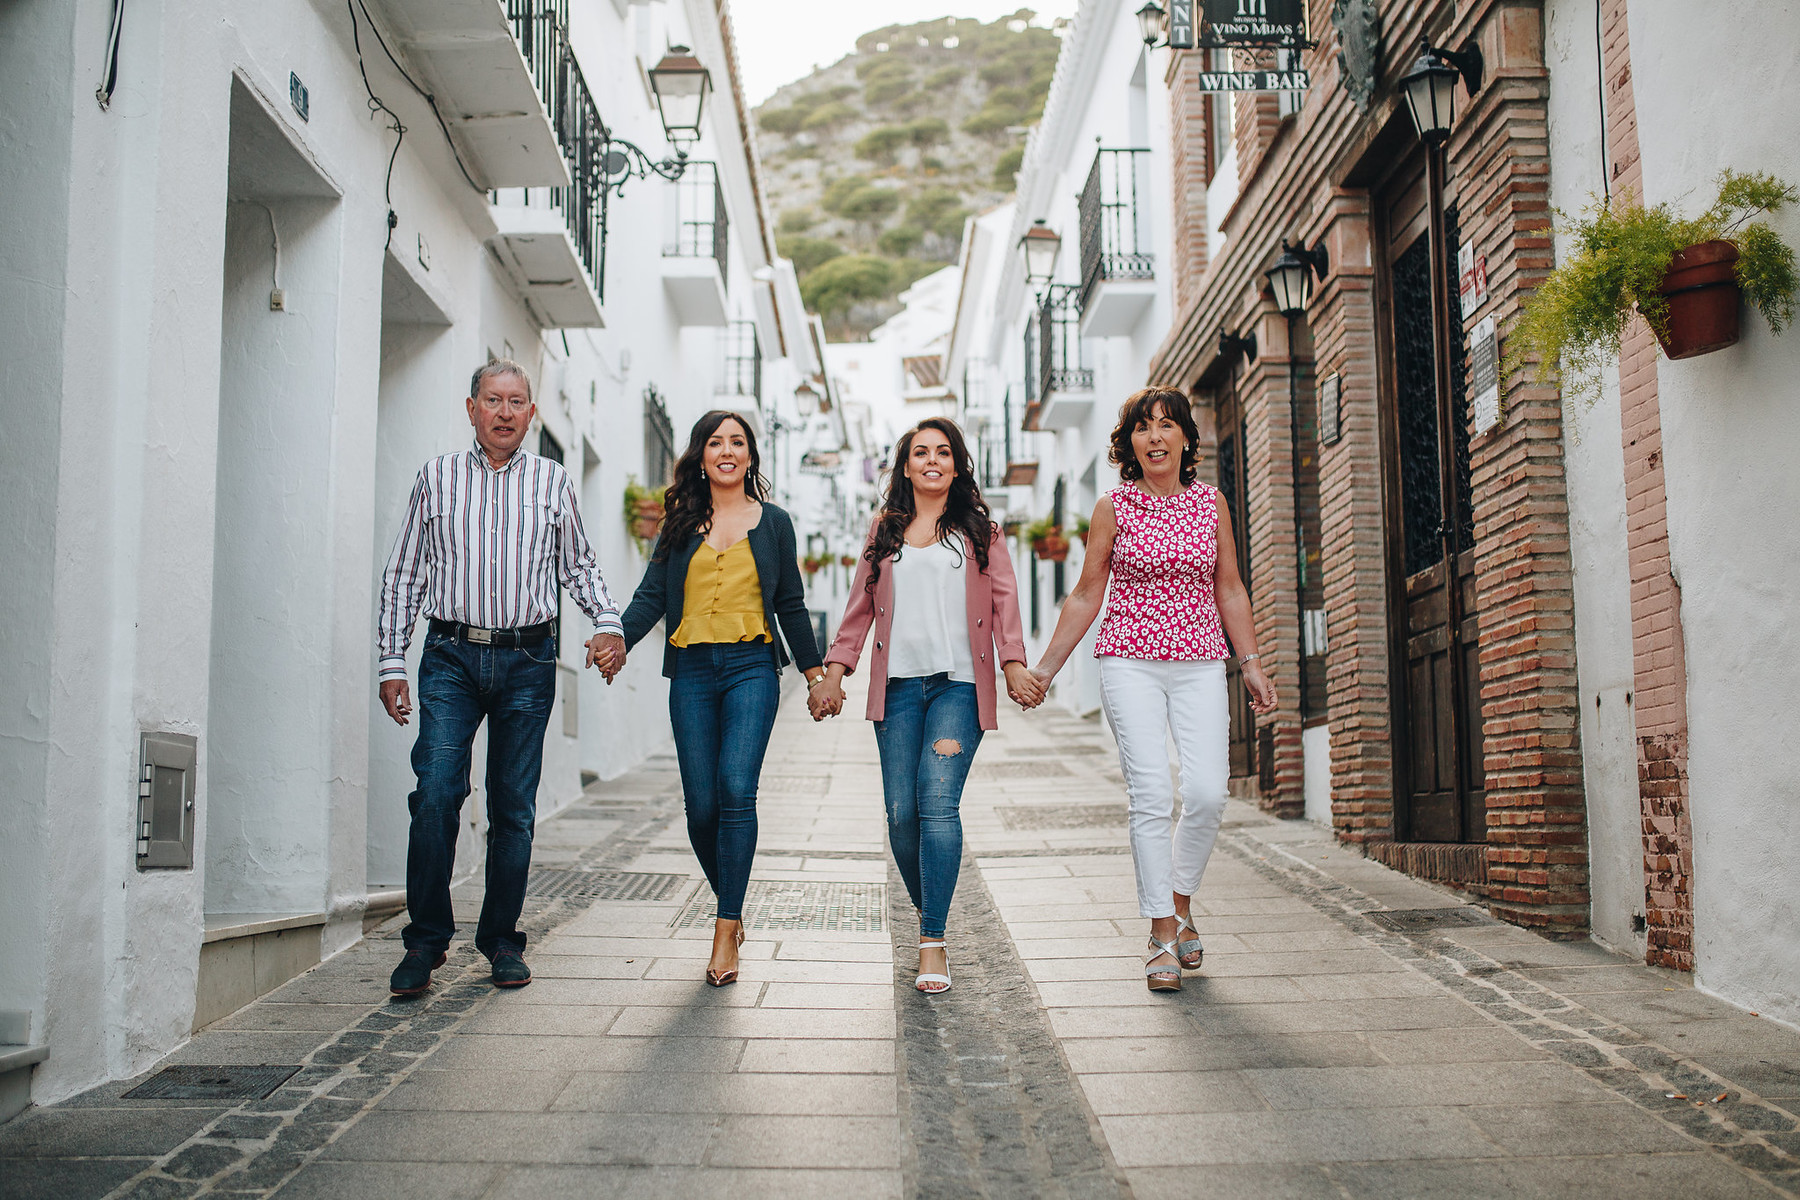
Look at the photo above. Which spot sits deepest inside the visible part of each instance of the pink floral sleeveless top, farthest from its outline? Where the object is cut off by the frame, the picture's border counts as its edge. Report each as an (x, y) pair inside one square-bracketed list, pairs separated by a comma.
[(1161, 604)]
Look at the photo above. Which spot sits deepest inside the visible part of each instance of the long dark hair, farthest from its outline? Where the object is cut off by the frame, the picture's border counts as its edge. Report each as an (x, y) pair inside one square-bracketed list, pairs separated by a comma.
[(687, 504), (1141, 406), (965, 512)]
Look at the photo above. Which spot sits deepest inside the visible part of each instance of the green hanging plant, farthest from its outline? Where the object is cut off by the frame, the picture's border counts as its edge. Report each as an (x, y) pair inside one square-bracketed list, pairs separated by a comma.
[(643, 512), (1572, 325)]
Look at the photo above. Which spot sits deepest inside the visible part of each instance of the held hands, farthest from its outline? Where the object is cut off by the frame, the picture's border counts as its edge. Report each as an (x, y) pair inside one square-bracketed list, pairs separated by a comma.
[(825, 698), (1027, 687), (1262, 688), (606, 651)]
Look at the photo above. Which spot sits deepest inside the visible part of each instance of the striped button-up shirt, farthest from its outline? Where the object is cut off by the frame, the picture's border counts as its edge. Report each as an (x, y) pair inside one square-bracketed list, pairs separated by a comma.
[(485, 546)]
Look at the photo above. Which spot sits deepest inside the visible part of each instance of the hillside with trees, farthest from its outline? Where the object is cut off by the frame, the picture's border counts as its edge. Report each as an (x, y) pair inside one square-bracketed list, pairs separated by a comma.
[(873, 162)]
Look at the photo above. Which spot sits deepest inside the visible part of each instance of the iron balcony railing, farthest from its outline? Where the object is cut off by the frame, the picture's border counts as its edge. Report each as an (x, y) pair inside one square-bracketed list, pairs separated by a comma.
[(541, 28), (1060, 366), (1115, 241), (699, 227), (742, 374)]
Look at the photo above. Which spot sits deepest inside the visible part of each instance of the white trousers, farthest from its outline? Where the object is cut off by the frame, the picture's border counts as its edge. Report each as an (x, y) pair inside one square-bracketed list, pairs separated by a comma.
[(1145, 702)]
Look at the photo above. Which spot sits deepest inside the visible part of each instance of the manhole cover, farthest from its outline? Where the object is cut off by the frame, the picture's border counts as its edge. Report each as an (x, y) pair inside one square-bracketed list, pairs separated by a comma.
[(1019, 770), (794, 785), (602, 885), (1066, 748), (1408, 920), (1021, 817), (778, 904), (211, 1083)]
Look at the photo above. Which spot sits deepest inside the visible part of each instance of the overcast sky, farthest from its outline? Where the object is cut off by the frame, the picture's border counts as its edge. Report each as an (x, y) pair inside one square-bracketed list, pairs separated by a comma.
[(780, 41)]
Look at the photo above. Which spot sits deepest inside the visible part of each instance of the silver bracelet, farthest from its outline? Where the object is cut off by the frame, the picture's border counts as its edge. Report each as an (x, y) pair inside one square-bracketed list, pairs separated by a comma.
[(1244, 658)]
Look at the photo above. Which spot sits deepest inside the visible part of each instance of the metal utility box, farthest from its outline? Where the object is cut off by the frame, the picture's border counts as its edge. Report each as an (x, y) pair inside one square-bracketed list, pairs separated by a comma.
[(165, 812)]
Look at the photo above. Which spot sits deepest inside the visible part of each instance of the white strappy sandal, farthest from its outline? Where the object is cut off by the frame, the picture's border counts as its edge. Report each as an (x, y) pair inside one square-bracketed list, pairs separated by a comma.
[(1188, 947), (926, 977), (1162, 979)]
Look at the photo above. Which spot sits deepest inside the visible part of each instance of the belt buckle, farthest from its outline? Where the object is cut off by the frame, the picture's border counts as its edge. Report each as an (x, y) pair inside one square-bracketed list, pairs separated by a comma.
[(481, 637)]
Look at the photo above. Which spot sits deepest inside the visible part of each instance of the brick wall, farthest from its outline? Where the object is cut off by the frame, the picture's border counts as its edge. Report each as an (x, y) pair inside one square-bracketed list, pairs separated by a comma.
[(1188, 134), (1659, 694)]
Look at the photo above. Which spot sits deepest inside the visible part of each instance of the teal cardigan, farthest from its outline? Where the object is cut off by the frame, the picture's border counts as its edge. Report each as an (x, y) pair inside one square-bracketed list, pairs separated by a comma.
[(772, 544)]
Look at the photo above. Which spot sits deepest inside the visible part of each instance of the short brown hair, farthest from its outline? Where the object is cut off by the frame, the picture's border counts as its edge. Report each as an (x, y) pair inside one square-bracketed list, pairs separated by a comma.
[(1138, 408), (498, 366)]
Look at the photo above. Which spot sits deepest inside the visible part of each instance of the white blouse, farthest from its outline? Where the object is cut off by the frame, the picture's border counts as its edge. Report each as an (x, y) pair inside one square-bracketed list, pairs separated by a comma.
[(930, 631)]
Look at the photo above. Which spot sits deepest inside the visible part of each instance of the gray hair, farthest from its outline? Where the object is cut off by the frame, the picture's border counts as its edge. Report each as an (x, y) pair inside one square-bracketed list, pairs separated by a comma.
[(498, 366)]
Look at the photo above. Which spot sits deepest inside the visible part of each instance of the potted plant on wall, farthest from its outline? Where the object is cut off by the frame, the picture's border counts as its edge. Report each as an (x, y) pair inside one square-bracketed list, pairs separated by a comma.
[(1081, 529), (812, 564), (643, 511), (1684, 276), (1047, 540)]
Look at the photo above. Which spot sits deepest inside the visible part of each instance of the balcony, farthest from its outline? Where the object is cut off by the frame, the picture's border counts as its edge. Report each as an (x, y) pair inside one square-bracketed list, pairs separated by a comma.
[(488, 72), (695, 259), (1065, 385), (548, 271), (1117, 267), (740, 379)]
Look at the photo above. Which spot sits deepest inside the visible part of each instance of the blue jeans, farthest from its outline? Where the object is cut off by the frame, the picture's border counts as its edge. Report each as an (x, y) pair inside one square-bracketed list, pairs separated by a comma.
[(459, 685), (722, 702), (927, 740)]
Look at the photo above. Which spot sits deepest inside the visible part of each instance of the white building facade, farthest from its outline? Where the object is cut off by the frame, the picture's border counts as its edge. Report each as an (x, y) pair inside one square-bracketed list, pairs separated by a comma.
[(240, 310)]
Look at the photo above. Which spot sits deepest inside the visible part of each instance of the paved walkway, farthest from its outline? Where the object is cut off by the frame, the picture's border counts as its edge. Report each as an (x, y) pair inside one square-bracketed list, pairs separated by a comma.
[(1354, 1033)]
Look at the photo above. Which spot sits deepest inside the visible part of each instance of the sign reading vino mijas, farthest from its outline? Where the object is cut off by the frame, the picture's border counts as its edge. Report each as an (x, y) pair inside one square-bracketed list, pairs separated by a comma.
[(1231, 23)]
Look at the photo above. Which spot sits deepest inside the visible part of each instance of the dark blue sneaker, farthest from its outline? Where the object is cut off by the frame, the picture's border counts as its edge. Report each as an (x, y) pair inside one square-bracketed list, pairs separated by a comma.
[(509, 968), (413, 975)]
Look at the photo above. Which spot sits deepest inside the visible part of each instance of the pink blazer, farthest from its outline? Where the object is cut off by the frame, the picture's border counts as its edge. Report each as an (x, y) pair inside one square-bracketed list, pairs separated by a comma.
[(996, 632)]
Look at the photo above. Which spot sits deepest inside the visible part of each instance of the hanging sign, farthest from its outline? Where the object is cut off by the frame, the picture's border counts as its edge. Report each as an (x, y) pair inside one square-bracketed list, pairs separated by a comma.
[(1254, 23), (1254, 81), (1484, 377), (1181, 25)]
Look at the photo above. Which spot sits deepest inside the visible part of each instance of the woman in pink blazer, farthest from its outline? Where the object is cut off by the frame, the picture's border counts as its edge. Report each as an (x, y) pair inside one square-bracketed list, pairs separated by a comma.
[(936, 584)]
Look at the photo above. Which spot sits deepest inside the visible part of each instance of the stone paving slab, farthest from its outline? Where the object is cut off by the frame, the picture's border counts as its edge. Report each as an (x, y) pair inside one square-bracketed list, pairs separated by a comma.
[(1315, 1055)]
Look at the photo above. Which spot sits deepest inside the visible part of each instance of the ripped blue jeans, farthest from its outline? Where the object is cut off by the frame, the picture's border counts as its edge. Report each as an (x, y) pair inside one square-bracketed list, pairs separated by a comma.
[(927, 739)]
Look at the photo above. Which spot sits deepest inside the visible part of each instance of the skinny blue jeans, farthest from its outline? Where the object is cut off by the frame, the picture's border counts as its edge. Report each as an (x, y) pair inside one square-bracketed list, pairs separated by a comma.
[(927, 739), (722, 703), (460, 685)]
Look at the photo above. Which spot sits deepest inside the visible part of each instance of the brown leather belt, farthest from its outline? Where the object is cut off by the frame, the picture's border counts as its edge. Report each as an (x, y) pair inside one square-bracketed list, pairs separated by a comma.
[(506, 639)]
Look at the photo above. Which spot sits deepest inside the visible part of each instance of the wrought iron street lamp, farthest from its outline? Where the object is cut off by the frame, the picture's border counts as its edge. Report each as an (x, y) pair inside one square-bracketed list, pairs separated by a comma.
[(681, 85), (1150, 22), (1430, 86), (1040, 245), (1291, 278), (806, 399)]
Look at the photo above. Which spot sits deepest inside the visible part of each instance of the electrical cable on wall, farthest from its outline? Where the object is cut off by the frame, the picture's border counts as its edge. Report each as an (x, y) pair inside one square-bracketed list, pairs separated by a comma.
[(430, 100), (1600, 61), (377, 106), (104, 92), (277, 298)]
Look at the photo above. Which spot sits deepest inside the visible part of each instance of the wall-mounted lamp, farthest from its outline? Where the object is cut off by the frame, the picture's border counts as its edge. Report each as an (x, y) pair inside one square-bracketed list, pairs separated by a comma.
[(1039, 246), (1430, 86), (806, 398), (1233, 344), (1291, 278), (1150, 22), (681, 85)]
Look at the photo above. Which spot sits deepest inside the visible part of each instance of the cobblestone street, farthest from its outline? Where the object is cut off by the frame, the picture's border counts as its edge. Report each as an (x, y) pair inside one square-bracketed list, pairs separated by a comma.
[(1354, 1033)]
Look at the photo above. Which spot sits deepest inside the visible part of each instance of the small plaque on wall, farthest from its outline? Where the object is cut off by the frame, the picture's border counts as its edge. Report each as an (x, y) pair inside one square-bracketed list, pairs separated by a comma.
[(1484, 377), (1330, 426)]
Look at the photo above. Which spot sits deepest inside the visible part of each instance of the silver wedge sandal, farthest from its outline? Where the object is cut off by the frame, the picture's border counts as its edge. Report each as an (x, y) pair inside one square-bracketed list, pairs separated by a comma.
[(1191, 951), (1162, 979)]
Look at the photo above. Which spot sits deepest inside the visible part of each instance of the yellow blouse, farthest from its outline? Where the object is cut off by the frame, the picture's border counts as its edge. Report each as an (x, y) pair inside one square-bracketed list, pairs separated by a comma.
[(722, 601)]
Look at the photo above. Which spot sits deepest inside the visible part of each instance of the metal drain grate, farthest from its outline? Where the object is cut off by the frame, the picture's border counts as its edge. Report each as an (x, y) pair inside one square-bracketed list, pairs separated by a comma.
[(1062, 750), (211, 1083), (794, 785), (603, 885), (778, 904), (1019, 770), (1019, 817), (1410, 920)]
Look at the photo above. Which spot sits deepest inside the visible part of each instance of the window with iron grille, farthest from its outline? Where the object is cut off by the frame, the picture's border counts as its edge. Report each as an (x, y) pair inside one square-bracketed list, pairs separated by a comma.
[(1060, 366), (742, 371), (659, 440), (698, 225), (1115, 236)]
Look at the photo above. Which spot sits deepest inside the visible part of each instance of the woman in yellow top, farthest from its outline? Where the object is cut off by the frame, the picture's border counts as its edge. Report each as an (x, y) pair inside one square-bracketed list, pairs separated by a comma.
[(722, 576)]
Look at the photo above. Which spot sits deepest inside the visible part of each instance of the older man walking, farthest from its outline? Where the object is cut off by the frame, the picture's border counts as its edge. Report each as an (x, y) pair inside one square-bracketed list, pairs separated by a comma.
[(489, 531)]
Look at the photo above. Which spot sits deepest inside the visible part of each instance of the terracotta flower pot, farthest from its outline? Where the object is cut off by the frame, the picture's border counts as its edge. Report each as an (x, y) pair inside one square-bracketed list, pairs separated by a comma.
[(1082, 534), (1054, 548), (646, 519), (846, 560), (1702, 290)]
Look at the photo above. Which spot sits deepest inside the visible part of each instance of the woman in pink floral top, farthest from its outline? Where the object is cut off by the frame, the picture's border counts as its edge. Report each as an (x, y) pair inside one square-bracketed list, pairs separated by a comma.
[(1163, 540)]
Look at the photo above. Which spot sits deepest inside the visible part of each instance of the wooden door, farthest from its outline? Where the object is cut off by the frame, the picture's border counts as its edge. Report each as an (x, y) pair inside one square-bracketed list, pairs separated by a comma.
[(1435, 680), (1228, 418)]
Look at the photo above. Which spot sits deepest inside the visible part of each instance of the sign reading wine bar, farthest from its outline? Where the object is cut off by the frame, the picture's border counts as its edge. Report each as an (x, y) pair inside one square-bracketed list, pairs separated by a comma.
[(1254, 23), (1255, 81)]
